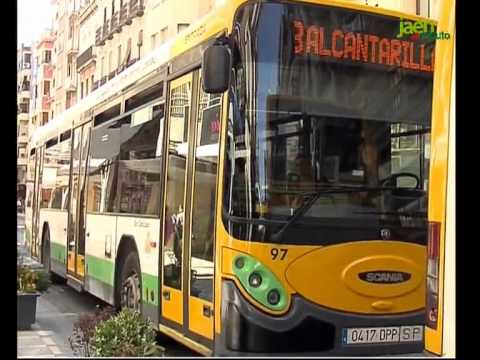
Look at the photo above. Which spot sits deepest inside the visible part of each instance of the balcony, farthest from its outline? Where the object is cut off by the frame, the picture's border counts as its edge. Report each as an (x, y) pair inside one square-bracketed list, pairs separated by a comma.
[(72, 46), (106, 29), (25, 90), (22, 139), (137, 8), (115, 24), (99, 39), (124, 15), (22, 116), (85, 58), (71, 82)]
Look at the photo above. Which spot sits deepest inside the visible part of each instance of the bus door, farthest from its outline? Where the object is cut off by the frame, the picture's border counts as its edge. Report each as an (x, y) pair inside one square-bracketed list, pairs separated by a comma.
[(188, 223), (202, 224), (37, 198), (173, 279), (77, 204)]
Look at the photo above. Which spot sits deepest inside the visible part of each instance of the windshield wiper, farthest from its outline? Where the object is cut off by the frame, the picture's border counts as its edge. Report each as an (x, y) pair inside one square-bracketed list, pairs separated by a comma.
[(316, 195)]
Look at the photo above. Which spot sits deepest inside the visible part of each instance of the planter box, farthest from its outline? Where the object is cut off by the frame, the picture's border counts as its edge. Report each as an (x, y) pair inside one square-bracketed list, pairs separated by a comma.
[(26, 310)]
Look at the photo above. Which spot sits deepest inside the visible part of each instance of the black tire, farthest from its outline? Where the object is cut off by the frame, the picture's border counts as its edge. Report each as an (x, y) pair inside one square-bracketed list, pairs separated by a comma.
[(128, 287), (46, 250), (47, 265)]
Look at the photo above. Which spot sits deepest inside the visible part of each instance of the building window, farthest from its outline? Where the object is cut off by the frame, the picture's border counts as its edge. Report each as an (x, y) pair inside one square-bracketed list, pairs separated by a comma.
[(104, 15), (91, 84), (44, 118), (139, 43), (163, 34), (153, 41), (181, 27), (47, 56), (86, 87), (27, 59), (113, 7), (102, 67), (81, 90), (46, 88), (110, 62), (119, 58)]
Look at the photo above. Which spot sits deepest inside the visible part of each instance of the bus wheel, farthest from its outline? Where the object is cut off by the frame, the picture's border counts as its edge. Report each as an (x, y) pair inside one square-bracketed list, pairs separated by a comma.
[(46, 250), (57, 279), (129, 283)]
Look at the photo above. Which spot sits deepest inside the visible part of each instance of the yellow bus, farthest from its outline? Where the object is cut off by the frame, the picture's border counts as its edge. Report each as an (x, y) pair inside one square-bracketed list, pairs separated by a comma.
[(258, 185), (440, 304)]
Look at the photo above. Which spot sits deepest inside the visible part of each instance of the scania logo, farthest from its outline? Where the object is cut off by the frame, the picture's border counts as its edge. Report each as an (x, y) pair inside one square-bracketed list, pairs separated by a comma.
[(384, 276), (385, 234)]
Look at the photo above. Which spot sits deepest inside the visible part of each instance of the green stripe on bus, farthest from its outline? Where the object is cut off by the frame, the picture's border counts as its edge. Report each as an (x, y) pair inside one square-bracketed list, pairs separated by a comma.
[(58, 252), (150, 288), (100, 269)]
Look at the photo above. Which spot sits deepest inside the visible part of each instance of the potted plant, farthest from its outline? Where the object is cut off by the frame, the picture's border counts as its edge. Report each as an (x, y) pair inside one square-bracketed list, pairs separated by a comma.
[(30, 284)]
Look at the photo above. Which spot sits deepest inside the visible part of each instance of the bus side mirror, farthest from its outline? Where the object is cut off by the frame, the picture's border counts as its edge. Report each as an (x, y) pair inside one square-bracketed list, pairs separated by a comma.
[(216, 65)]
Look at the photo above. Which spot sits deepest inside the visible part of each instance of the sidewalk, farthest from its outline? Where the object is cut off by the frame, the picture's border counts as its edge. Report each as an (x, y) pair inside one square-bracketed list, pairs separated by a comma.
[(38, 343), (48, 336), (41, 340)]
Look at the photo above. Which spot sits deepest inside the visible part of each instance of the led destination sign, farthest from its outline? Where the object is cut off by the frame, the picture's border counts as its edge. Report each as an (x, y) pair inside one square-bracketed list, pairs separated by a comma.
[(318, 41)]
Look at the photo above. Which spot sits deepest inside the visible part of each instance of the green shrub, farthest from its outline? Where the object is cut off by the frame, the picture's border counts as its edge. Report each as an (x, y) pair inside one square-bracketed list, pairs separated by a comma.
[(43, 280), (31, 281), (126, 334), (83, 329)]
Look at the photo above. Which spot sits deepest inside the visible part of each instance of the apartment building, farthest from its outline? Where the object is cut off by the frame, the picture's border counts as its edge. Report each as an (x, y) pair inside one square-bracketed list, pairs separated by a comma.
[(66, 29), (42, 82), (24, 77), (86, 60), (129, 29)]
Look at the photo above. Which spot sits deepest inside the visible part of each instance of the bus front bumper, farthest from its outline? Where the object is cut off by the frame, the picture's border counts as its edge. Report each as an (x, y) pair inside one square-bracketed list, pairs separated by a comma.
[(306, 330)]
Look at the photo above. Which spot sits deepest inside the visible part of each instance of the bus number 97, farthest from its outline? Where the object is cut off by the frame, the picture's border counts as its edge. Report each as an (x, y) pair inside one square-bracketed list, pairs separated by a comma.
[(275, 253)]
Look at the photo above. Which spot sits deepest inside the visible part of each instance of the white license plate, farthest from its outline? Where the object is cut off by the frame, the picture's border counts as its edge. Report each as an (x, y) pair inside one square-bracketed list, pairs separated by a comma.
[(375, 335)]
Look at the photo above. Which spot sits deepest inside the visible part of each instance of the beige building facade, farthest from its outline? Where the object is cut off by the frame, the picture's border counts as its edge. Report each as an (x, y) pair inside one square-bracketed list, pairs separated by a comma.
[(24, 77), (86, 60), (66, 28), (42, 93), (129, 29)]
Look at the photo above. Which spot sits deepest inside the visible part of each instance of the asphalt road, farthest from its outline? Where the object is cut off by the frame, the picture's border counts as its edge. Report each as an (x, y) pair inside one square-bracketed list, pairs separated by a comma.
[(58, 309)]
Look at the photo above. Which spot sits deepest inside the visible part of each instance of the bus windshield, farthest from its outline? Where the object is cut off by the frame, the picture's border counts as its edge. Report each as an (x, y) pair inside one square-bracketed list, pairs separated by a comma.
[(329, 119)]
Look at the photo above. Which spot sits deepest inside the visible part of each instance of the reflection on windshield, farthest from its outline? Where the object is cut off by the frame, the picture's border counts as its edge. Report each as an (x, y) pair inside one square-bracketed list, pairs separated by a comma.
[(301, 124)]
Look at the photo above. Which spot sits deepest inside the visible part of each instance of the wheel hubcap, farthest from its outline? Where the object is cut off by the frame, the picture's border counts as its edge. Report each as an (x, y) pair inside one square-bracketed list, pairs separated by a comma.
[(131, 292)]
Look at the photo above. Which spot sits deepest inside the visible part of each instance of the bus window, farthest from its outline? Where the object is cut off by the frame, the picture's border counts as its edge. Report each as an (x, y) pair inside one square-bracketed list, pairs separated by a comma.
[(205, 176), (139, 168), (313, 121), (103, 167)]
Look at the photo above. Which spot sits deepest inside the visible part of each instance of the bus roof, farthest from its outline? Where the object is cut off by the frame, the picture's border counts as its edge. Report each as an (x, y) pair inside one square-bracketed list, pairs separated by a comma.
[(219, 19)]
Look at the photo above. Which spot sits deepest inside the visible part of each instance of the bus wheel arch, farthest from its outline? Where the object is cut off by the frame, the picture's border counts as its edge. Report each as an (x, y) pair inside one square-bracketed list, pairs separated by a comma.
[(127, 278)]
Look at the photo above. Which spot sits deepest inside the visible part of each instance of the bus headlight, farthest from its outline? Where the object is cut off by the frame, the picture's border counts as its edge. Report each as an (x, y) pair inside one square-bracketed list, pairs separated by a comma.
[(273, 297), (255, 280), (260, 283)]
